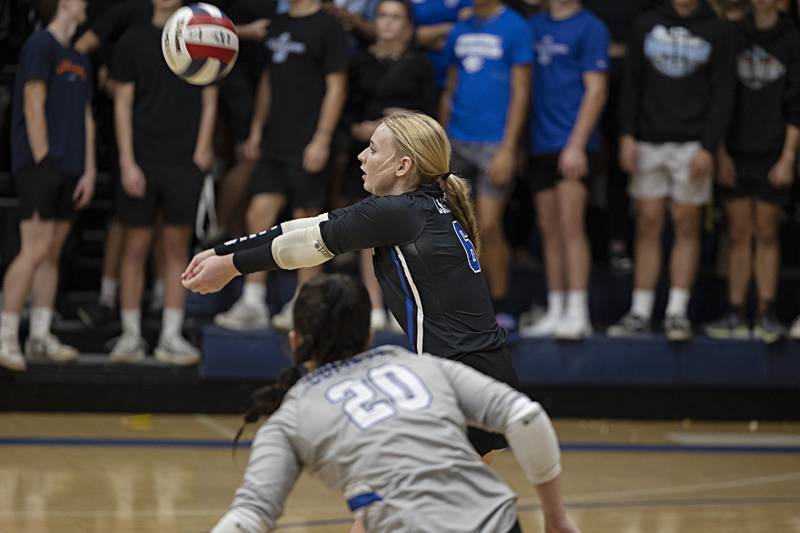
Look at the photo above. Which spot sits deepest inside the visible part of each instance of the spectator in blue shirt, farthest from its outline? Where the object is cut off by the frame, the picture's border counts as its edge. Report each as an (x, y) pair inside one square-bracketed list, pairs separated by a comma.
[(434, 19), (54, 168), (484, 109), (569, 92)]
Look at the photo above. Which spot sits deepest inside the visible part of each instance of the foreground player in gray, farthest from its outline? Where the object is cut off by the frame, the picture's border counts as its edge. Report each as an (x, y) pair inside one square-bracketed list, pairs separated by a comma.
[(386, 428)]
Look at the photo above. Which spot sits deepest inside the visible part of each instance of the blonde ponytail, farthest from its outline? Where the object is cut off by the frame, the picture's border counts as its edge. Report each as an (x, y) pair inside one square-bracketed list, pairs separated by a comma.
[(422, 139), (458, 193)]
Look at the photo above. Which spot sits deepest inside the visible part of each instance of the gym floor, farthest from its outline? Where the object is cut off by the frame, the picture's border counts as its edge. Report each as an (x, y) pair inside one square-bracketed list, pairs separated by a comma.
[(76, 473)]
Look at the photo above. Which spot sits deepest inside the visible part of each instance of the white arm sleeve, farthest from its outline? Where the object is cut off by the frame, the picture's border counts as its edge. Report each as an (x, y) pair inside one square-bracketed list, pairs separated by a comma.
[(497, 407), (240, 520), (300, 248), (302, 223)]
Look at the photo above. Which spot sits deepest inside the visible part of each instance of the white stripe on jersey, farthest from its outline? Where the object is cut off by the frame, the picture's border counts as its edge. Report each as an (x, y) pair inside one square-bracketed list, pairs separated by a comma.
[(417, 300)]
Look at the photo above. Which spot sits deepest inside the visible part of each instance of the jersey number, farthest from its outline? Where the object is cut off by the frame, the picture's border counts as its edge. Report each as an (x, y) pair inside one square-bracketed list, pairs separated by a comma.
[(404, 389), (469, 248)]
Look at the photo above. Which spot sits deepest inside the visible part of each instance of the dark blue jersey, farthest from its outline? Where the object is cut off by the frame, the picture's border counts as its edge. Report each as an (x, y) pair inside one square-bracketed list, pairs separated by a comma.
[(427, 267)]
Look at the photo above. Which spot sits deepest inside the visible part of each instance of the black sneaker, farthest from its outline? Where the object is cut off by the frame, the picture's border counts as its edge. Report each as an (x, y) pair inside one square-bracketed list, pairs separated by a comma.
[(95, 315), (768, 329), (677, 328), (731, 326), (629, 326)]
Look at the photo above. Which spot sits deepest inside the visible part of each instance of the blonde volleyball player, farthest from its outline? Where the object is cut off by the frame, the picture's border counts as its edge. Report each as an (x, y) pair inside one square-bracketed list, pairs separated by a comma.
[(385, 427)]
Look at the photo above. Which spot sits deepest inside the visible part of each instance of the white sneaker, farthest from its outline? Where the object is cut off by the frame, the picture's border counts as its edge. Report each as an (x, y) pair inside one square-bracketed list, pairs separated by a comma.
[(49, 346), (794, 332), (128, 349), (572, 329), (544, 327), (175, 350), (285, 318), (243, 316), (10, 354)]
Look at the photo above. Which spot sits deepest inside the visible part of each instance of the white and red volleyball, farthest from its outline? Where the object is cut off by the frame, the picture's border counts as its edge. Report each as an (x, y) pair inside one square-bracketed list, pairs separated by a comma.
[(200, 43)]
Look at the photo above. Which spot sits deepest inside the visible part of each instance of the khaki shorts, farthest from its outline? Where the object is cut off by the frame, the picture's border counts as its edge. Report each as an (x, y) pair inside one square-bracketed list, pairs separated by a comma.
[(664, 173)]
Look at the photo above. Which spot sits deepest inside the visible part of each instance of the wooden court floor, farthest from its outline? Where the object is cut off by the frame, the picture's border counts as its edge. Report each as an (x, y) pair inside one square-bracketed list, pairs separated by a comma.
[(71, 473)]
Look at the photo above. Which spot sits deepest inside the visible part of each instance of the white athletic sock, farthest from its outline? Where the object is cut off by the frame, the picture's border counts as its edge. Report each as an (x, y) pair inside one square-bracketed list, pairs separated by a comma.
[(678, 302), (254, 294), (172, 322), (642, 303), (40, 321), (555, 303), (131, 322), (9, 325), (108, 292), (578, 305)]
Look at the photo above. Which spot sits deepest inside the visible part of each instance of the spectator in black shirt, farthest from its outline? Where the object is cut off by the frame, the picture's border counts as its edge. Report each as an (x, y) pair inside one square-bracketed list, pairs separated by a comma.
[(299, 101), (164, 128), (756, 165), (54, 168), (387, 77)]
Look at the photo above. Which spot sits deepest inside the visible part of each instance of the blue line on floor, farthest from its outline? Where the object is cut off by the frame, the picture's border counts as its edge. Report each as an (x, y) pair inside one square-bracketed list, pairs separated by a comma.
[(220, 443)]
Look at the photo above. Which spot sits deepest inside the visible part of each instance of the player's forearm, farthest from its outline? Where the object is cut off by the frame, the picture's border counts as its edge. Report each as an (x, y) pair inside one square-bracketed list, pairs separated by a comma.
[(123, 124), (267, 236), (205, 132), (87, 43), (592, 104), (517, 109), (332, 105), (90, 162), (446, 100), (35, 94), (299, 248), (791, 143), (261, 107), (428, 36)]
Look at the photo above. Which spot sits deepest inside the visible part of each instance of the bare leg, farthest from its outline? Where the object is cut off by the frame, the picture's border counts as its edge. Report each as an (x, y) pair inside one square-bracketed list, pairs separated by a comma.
[(306, 274), (175, 244), (262, 214), (740, 246), (45, 278), (768, 253), (134, 256), (552, 246), (649, 224), (113, 251), (232, 192), (494, 257), (572, 205), (686, 249), (36, 237)]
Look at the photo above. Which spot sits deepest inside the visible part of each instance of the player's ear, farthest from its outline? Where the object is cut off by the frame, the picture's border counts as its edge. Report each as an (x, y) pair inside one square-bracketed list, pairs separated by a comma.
[(405, 167)]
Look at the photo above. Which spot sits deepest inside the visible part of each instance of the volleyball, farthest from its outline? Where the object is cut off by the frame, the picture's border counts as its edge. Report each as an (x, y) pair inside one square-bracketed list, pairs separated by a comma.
[(200, 44)]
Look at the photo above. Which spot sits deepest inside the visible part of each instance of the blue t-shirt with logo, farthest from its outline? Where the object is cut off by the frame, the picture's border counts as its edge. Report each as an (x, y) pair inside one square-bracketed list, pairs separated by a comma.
[(429, 12), (564, 50), (69, 88), (484, 50)]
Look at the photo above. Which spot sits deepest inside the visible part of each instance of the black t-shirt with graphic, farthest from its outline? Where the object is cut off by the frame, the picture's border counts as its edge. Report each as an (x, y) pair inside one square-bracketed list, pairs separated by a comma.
[(69, 88), (300, 52), (166, 109), (767, 88)]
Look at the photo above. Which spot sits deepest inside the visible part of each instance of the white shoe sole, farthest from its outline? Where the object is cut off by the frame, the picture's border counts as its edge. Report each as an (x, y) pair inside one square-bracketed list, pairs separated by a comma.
[(127, 358), (170, 358), (15, 365)]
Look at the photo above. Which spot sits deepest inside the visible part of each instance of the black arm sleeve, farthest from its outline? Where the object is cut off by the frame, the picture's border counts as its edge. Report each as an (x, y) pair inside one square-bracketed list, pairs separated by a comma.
[(632, 78), (258, 259), (249, 242), (371, 223), (723, 81)]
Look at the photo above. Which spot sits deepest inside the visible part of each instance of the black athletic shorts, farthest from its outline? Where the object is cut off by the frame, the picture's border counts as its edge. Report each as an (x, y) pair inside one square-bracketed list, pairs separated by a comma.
[(46, 190), (498, 365), (752, 181), (172, 189), (542, 170), (285, 175)]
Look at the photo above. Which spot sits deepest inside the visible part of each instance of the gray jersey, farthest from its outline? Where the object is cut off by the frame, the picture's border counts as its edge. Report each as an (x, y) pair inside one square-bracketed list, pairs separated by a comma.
[(387, 430)]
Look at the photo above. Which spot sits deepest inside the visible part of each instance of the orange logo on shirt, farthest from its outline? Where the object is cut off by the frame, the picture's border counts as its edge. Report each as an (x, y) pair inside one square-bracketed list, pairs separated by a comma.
[(66, 66)]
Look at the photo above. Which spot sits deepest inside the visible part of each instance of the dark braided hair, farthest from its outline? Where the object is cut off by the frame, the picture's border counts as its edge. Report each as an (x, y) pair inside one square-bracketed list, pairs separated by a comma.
[(331, 322)]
